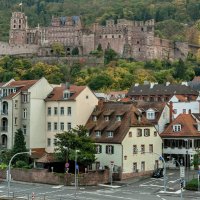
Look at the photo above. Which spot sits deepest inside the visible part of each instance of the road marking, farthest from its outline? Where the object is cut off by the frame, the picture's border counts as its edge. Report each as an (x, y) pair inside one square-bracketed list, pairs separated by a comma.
[(57, 187), (2, 186), (158, 196), (170, 174), (175, 192), (151, 185), (174, 181), (112, 196)]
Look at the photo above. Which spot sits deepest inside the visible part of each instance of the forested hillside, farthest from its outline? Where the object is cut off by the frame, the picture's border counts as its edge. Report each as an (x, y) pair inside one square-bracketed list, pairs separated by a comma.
[(176, 19)]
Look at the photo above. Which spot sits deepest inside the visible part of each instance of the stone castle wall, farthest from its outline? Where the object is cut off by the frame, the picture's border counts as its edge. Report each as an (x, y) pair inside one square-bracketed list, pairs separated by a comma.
[(130, 39)]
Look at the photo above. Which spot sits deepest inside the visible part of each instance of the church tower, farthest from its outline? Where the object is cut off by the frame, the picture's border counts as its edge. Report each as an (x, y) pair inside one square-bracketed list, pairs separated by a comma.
[(18, 27)]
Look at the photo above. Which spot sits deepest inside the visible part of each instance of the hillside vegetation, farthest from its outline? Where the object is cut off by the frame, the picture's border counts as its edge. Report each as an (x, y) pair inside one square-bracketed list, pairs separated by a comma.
[(176, 19)]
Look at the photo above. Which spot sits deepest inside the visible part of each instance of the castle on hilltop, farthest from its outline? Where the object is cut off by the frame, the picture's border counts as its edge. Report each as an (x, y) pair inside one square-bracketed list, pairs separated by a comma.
[(130, 39)]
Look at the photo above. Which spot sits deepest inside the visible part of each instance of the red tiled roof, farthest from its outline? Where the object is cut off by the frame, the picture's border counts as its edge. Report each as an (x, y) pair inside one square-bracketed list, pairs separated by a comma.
[(24, 85), (130, 118), (188, 127), (196, 78), (57, 93), (183, 98), (47, 158)]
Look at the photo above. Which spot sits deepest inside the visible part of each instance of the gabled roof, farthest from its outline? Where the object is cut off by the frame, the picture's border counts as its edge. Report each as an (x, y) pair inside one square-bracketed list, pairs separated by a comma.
[(57, 93), (130, 117), (158, 107), (23, 85), (161, 89), (188, 127)]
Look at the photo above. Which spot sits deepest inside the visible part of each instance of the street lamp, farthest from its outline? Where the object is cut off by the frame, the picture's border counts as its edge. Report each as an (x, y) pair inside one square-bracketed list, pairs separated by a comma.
[(28, 152), (187, 157), (76, 166)]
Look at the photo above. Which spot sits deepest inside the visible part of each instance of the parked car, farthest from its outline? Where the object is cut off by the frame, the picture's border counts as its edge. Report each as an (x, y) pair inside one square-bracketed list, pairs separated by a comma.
[(158, 173)]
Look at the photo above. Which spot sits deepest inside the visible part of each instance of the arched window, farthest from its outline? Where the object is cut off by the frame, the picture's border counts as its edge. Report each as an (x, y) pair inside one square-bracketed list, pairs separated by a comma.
[(25, 113)]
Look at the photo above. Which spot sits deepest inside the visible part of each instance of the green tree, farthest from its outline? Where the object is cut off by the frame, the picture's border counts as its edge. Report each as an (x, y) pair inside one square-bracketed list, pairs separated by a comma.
[(58, 49), (100, 81), (19, 146), (75, 51), (75, 139), (196, 160), (109, 55)]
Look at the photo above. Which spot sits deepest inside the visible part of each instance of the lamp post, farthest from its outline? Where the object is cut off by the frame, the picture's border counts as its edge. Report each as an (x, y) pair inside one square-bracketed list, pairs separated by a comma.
[(28, 152), (76, 182), (187, 158)]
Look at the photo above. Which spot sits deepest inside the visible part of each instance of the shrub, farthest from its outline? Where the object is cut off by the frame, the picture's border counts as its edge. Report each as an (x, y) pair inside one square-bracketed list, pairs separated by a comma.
[(192, 185), (21, 164), (3, 166)]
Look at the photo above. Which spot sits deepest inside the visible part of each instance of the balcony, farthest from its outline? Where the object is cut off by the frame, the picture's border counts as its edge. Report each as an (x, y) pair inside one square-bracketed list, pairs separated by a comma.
[(4, 128), (4, 112)]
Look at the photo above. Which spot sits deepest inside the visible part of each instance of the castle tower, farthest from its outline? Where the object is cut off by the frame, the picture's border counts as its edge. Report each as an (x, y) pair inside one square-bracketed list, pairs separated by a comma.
[(18, 27)]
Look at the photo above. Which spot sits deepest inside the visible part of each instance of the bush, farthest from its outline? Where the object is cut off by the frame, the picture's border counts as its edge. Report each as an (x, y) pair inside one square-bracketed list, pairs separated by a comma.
[(21, 164), (192, 185), (3, 166)]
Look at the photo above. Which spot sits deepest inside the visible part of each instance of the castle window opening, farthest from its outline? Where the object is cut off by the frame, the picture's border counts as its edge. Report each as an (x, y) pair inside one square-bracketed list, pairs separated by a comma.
[(19, 21), (112, 36), (105, 36), (19, 26), (119, 36), (139, 49), (138, 42), (142, 29)]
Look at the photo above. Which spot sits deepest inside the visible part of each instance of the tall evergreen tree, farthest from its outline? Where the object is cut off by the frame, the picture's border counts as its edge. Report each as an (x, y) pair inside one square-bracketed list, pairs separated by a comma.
[(19, 146)]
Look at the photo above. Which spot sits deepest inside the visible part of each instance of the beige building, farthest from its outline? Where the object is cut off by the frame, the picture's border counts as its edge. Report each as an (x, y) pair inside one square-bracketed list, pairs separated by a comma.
[(23, 106), (125, 139), (66, 107)]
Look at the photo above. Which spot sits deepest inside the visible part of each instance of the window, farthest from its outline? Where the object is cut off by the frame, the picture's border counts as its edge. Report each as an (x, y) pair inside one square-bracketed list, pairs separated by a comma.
[(16, 103), (69, 126), (142, 166), (62, 111), (135, 149), (130, 134), (54, 141), (55, 110), (110, 149), (118, 118), (24, 129), (151, 115), (110, 134), (24, 113), (49, 126), (134, 167), (48, 142), (94, 118), (62, 126), (98, 149), (146, 132), (142, 148), (66, 95), (15, 120), (24, 98), (87, 97), (139, 132), (55, 126), (69, 110), (184, 111), (175, 111), (106, 118), (151, 148), (98, 133), (49, 110), (177, 128), (155, 133)]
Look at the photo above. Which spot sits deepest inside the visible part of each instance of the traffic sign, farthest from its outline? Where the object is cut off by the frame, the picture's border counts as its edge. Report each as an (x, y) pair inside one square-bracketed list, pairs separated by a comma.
[(199, 172), (77, 167), (182, 171)]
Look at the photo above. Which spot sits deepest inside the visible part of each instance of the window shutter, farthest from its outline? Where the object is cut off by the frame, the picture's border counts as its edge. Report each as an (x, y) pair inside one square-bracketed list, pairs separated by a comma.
[(112, 149)]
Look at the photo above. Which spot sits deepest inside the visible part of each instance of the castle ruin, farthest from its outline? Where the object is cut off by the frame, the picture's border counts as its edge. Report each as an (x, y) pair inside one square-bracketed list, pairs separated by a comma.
[(130, 39)]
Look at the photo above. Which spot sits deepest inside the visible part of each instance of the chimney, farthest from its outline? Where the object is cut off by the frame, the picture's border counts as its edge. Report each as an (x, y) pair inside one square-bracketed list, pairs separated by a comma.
[(184, 83), (167, 83), (136, 84), (152, 84), (170, 111)]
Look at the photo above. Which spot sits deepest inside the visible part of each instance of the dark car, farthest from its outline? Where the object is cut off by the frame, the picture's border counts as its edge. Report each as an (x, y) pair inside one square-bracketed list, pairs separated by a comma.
[(158, 173)]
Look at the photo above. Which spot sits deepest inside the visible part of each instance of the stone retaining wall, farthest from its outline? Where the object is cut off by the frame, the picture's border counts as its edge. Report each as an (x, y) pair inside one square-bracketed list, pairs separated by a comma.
[(43, 176)]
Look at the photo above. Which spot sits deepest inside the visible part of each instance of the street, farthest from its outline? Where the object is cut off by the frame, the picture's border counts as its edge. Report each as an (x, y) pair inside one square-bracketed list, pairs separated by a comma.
[(143, 189)]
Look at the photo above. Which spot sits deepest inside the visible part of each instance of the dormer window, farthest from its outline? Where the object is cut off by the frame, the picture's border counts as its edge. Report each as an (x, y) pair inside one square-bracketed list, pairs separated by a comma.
[(110, 134), (66, 94), (176, 127), (106, 118), (118, 118), (150, 114), (98, 133), (94, 118)]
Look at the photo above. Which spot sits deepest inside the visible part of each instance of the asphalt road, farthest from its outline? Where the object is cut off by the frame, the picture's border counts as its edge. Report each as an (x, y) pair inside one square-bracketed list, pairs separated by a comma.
[(143, 189)]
